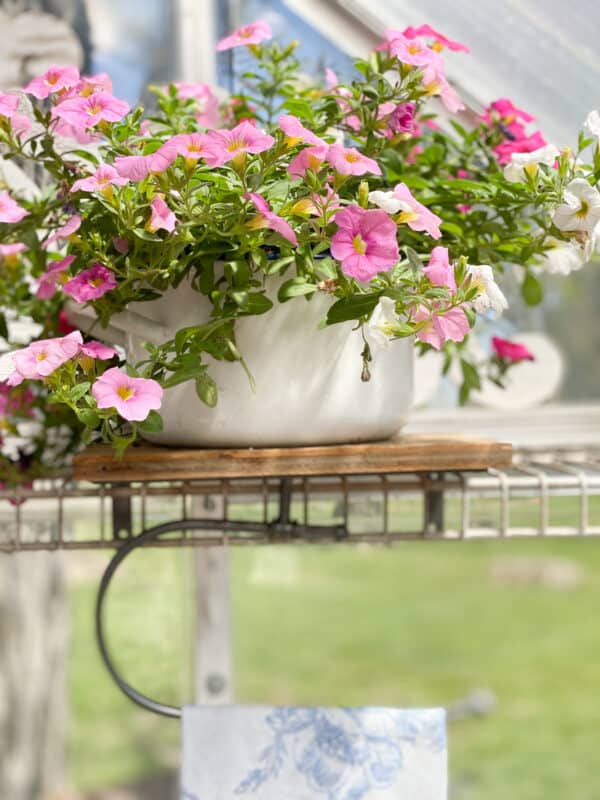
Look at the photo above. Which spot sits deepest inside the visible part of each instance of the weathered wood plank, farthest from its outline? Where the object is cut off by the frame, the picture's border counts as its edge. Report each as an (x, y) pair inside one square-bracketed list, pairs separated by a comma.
[(414, 453)]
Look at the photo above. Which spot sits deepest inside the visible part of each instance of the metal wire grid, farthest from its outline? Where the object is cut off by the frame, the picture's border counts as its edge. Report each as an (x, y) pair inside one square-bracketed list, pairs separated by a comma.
[(545, 493)]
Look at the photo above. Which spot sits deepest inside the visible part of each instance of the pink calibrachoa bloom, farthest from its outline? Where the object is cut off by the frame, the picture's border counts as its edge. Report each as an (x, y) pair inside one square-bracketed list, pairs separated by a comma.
[(55, 274), (296, 132), (63, 233), (41, 358), (208, 103), (409, 210), (440, 41), (505, 112), (87, 112), (133, 398), (194, 146), (8, 104), (90, 284), (365, 242), (101, 179), (244, 138), (439, 270), (441, 325), (511, 351), (134, 168), (310, 158), (53, 80), (410, 51), (401, 119), (435, 83), (255, 33), (97, 350), (9, 252), (162, 217), (10, 210), (268, 219), (528, 144), (350, 161)]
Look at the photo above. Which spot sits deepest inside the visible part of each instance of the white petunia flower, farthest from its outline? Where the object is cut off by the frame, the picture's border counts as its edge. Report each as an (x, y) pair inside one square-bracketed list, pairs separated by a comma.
[(382, 323), (387, 201), (523, 164), (580, 210), (562, 258), (592, 123), (489, 293)]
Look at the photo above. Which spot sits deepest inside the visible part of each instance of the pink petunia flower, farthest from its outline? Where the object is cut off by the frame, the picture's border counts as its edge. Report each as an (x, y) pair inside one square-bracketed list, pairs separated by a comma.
[(65, 232), (133, 398), (441, 326), (97, 350), (411, 212), (90, 284), (440, 41), (10, 210), (310, 158), (505, 112), (255, 33), (93, 84), (268, 219), (53, 80), (296, 132), (55, 274), (435, 83), (9, 252), (411, 51), (365, 242), (194, 146), (402, 118), (505, 149), (87, 112), (8, 104), (439, 270), (350, 161), (511, 351), (244, 138), (162, 217), (136, 168), (41, 358), (102, 178)]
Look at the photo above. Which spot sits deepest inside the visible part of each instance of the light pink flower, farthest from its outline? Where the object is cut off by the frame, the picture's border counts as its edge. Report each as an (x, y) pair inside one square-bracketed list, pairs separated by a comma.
[(436, 83), (194, 146), (350, 161), (81, 135), (87, 112), (268, 219), (102, 178), (244, 138), (134, 168), (10, 251), (365, 242), (161, 217), (505, 149), (511, 351), (90, 284), (65, 232), (296, 132), (53, 80), (310, 158), (410, 51), (41, 358), (439, 270), (92, 84), (440, 40), (55, 274), (255, 33), (10, 210), (324, 206), (97, 350), (441, 326), (208, 114), (133, 398), (411, 212), (8, 104)]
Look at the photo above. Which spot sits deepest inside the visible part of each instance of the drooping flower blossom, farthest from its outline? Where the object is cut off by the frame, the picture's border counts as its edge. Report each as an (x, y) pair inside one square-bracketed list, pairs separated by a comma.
[(134, 168), (161, 217), (580, 209), (40, 359), (55, 274), (87, 112), (133, 398), (97, 350), (439, 270), (244, 138), (523, 164), (310, 158), (90, 284), (562, 258), (10, 252), (255, 33), (441, 325), (8, 104), (380, 327), (53, 80), (411, 212), (10, 210), (268, 219), (528, 144), (511, 351), (489, 295), (65, 232), (365, 242), (440, 41), (296, 132), (592, 123), (436, 84), (104, 177), (350, 161)]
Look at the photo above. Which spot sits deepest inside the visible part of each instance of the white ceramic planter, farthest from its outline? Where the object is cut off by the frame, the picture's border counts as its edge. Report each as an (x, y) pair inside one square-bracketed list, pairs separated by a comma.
[(308, 380)]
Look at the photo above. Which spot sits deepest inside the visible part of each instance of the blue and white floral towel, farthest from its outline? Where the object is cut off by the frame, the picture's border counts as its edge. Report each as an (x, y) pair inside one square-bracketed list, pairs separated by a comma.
[(262, 753)]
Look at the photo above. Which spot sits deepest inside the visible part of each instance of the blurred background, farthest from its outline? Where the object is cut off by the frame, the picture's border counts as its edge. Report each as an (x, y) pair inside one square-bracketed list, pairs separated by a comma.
[(494, 629)]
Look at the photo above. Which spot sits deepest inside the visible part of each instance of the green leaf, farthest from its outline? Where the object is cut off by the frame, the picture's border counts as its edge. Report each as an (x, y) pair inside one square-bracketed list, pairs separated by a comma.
[(354, 307), (206, 389), (532, 290), (470, 375), (152, 424), (78, 391), (252, 303), (279, 264), (89, 417), (413, 259), (294, 288)]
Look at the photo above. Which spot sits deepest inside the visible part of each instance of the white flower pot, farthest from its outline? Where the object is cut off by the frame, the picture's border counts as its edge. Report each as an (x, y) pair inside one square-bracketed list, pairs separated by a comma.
[(308, 380)]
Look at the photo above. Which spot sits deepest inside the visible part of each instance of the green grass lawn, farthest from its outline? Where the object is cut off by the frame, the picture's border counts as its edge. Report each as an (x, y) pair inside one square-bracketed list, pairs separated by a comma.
[(417, 624)]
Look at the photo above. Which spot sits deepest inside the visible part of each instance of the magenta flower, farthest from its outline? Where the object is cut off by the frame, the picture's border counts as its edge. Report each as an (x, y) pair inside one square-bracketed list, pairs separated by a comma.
[(97, 350), (133, 398), (349, 161), (255, 33), (53, 80), (161, 217), (511, 351), (441, 326), (90, 284), (310, 158), (55, 274), (402, 118), (87, 112), (244, 138), (528, 144), (268, 219), (41, 358), (102, 178), (10, 210), (296, 132), (439, 271), (440, 41), (365, 242), (65, 232), (505, 112)]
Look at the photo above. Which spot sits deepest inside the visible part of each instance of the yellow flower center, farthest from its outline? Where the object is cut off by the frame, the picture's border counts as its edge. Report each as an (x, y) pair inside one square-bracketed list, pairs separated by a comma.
[(359, 244), (125, 392), (52, 79), (583, 210), (433, 88), (437, 46), (352, 158), (236, 144), (95, 282), (95, 109), (41, 356), (414, 48), (407, 216)]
